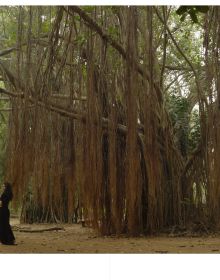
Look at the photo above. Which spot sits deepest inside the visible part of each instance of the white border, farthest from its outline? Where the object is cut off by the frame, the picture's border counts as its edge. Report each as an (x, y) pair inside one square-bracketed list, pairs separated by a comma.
[(109, 2), (109, 267)]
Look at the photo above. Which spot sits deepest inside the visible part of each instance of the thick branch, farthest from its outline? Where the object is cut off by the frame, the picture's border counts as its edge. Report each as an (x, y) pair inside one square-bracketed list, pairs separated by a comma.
[(65, 96), (7, 51), (38, 230), (6, 110), (16, 48), (59, 109), (5, 99), (177, 68)]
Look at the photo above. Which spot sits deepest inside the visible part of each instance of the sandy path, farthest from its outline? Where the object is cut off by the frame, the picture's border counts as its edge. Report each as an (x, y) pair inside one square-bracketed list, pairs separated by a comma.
[(75, 239)]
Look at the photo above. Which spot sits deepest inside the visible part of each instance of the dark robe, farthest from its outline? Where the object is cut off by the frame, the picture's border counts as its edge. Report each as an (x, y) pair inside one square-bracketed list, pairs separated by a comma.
[(6, 234)]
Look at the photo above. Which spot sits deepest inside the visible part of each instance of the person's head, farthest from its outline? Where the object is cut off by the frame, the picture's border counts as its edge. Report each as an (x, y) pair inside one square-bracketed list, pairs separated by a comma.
[(7, 185), (8, 190)]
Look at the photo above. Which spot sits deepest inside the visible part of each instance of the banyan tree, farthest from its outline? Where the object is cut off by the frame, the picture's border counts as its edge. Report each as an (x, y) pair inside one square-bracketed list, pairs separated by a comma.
[(90, 133)]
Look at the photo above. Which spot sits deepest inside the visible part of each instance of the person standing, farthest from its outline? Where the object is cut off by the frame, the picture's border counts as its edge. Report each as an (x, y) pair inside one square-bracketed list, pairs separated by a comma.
[(6, 234)]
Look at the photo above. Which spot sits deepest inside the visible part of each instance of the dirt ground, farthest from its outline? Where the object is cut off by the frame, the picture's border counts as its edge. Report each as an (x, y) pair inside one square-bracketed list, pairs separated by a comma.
[(77, 239)]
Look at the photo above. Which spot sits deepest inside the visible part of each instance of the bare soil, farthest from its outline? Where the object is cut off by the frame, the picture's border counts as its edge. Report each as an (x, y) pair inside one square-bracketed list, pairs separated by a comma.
[(77, 239)]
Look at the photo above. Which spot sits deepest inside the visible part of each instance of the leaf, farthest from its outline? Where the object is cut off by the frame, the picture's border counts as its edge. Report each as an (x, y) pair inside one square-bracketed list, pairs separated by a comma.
[(202, 9), (183, 17), (192, 11), (88, 9), (181, 10), (77, 17), (112, 30), (115, 9), (193, 16)]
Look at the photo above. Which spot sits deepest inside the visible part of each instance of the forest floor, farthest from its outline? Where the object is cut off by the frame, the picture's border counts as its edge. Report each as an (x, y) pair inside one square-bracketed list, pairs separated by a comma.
[(77, 239)]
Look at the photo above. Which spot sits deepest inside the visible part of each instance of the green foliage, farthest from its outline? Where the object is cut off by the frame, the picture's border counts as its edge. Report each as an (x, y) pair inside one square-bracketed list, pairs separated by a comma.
[(46, 25), (113, 31), (194, 135), (177, 106), (186, 125), (88, 9), (80, 39), (189, 37), (193, 11)]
